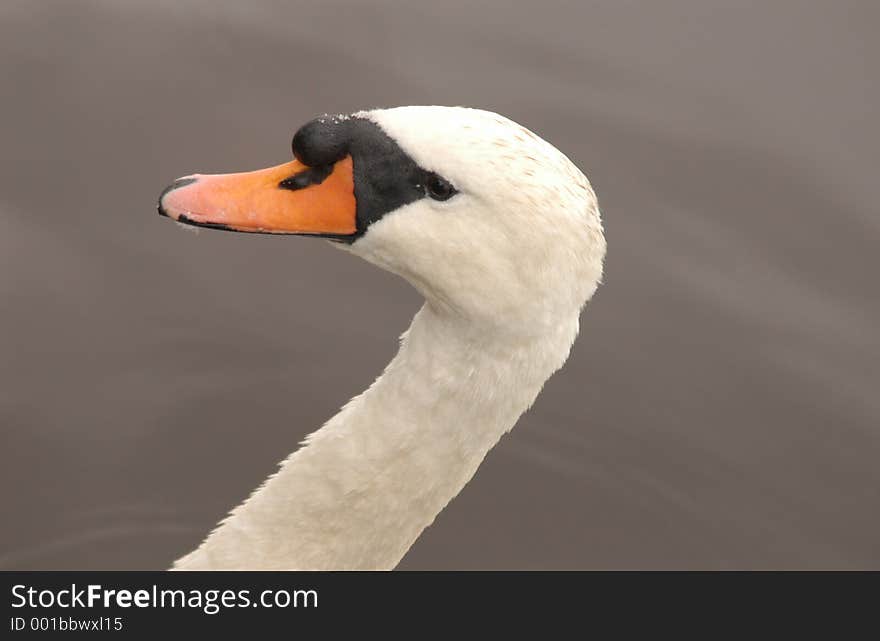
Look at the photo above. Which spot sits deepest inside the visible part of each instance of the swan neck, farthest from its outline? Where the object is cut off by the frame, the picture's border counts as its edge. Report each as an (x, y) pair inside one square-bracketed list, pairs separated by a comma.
[(362, 488)]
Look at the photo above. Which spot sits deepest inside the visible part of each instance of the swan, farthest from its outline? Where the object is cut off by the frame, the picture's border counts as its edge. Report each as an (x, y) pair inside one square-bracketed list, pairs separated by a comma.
[(497, 230)]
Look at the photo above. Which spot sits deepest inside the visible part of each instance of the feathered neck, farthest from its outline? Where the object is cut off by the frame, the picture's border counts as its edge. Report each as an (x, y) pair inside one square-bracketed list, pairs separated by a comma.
[(362, 488)]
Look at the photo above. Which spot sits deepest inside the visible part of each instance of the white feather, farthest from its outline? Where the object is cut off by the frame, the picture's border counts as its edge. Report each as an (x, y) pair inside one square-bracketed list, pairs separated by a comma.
[(505, 267)]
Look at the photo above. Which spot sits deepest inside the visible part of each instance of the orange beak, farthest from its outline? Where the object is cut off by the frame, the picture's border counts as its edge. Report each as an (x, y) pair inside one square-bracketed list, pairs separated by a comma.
[(288, 199)]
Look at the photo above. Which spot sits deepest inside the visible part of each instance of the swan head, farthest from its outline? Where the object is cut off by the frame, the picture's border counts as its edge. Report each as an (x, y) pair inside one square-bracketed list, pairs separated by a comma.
[(487, 220)]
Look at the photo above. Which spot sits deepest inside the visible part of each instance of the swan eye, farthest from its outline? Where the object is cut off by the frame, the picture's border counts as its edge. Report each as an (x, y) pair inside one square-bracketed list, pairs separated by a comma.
[(439, 188)]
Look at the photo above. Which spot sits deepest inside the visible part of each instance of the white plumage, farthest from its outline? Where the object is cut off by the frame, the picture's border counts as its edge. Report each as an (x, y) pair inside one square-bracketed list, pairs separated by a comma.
[(505, 267)]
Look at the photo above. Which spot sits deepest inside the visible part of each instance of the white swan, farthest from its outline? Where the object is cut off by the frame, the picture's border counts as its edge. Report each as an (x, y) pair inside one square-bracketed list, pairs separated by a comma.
[(500, 233)]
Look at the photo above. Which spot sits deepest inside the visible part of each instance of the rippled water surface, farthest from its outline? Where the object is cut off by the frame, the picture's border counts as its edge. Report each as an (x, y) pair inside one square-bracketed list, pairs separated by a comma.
[(720, 409)]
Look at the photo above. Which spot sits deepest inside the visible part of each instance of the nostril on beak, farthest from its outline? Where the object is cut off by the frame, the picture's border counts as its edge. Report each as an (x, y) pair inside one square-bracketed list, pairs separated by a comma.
[(177, 184)]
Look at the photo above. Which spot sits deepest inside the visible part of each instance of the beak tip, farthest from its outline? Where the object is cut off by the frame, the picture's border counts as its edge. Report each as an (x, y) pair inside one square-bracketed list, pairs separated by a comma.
[(177, 184)]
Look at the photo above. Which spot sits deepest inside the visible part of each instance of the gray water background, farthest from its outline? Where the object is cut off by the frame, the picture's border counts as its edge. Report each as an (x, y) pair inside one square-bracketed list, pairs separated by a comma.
[(720, 410)]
